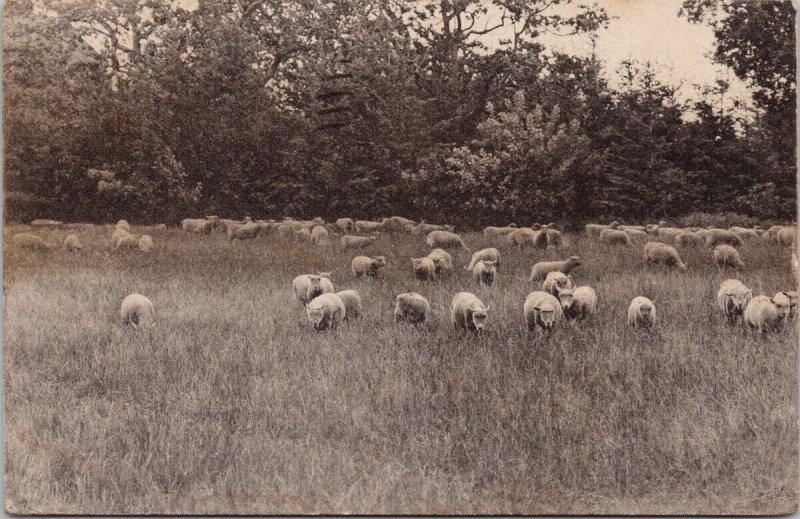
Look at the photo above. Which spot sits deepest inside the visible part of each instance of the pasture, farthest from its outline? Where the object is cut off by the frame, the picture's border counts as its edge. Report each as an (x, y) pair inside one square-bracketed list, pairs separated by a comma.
[(233, 404)]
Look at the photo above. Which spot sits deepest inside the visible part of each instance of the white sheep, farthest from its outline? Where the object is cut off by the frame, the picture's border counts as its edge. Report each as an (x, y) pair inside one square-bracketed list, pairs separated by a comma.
[(725, 255), (411, 307), (122, 224), (356, 242), (397, 224), (542, 310), (579, 303), (614, 237), (634, 228), (541, 269), (326, 311), (352, 304), (117, 235), (689, 239), (197, 225), (137, 310), (468, 313), (766, 314), (526, 237), (364, 265), (424, 268), (499, 232), (489, 254), (302, 235), (555, 282), (722, 236), (445, 240), (668, 232), (308, 286), (554, 237), (145, 243), (594, 229), (786, 235), (26, 240), (346, 225), (733, 297), (484, 272), (72, 243), (129, 241), (642, 312), (245, 231), (442, 262), (365, 226), (661, 253), (789, 298), (320, 236), (745, 233), (636, 234)]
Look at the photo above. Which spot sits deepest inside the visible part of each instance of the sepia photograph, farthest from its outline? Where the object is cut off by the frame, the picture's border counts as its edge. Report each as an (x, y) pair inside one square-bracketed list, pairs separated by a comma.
[(400, 257)]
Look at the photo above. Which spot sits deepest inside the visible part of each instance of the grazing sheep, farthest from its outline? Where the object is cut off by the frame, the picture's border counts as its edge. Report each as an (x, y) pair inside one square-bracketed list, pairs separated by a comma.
[(719, 236), (733, 297), (26, 240), (308, 286), (498, 232), (302, 234), (660, 253), (145, 243), (137, 310), (43, 222), (411, 307), (786, 235), (635, 228), (364, 265), (72, 243), (554, 238), (642, 313), (541, 269), (594, 229), (745, 233), (117, 235), (320, 236), (122, 224), (468, 313), (579, 303), (636, 234), (725, 255), (426, 228), (346, 225), (542, 310), (614, 237), (424, 268), (790, 298), (129, 241), (689, 239), (365, 226), (326, 311), (356, 242), (352, 304), (669, 232), (442, 261), (766, 314), (197, 225), (445, 240), (490, 254), (527, 237), (397, 224), (484, 272), (222, 224), (555, 282), (247, 231)]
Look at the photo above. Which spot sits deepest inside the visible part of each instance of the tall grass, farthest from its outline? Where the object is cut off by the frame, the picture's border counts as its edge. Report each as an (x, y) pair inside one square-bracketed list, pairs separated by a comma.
[(233, 404)]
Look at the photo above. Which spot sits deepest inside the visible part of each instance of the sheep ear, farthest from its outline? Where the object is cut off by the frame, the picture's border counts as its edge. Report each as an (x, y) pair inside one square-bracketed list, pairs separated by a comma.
[(771, 300), (785, 294), (653, 301), (487, 307)]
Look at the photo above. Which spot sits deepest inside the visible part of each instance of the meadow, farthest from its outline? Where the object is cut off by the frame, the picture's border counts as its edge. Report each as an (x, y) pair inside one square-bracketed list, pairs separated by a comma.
[(233, 404)]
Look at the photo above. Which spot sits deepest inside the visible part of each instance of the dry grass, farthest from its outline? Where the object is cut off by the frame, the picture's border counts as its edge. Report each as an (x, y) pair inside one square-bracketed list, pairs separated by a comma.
[(232, 404)]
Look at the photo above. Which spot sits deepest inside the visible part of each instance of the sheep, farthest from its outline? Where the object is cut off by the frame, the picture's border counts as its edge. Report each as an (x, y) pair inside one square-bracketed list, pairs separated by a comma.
[(137, 310), (594, 229), (497, 232), (689, 239), (442, 261), (614, 237), (636, 234), (364, 226), (411, 307), (555, 282), (484, 272), (725, 255), (302, 234), (247, 231), (554, 238), (197, 225), (346, 225), (642, 313), (122, 224), (579, 303), (635, 228), (352, 304), (542, 310), (308, 286), (222, 224), (145, 243), (424, 268), (320, 236), (527, 237), (445, 240), (786, 235), (744, 233), (719, 236), (791, 300), (356, 242), (397, 224), (364, 265), (468, 313), (733, 297), (117, 235), (766, 314), (660, 253), (541, 269), (129, 241), (26, 240), (490, 254), (43, 222), (326, 311), (670, 232), (72, 243), (426, 228)]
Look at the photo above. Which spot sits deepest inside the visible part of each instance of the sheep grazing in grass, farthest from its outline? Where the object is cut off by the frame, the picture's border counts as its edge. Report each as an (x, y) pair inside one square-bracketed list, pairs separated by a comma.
[(722, 236), (320, 236), (727, 256), (499, 232), (246, 231), (554, 237), (122, 224), (411, 307), (594, 229), (484, 272), (445, 240), (689, 239), (356, 242), (326, 311), (424, 268), (642, 313), (542, 310), (72, 243), (614, 237), (423, 228), (786, 235), (733, 297), (145, 243), (308, 286), (745, 233), (468, 313), (442, 262), (365, 226), (197, 225), (555, 282), (636, 234), (790, 298), (129, 242), (541, 269), (366, 266), (117, 235), (490, 254), (579, 303), (656, 253), (528, 238), (137, 310), (26, 240), (766, 314), (397, 224), (346, 225), (352, 304), (668, 232)]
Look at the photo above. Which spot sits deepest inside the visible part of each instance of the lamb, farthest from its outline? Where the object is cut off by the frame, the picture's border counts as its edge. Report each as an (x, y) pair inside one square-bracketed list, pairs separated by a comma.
[(614, 237), (791, 300), (356, 242), (541, 269), (326, 311), (689, 239), (411, 307), (26, 240), (442, 261), (642, 313), (352, 304), (766, 314), (554, 238), (468, 313), (660, 253), (484, 272), (247, 231), (129, 241), (137, 310), (122, 224), (733, 297), (579, 303), (424, 268), (719, 236), (490, 254), (555, 282), (364, 226), (364, 265), (145, 243), (346, 225), (72, 243), (320, 236), (527, 237), (725, 255), (542, 310), (308, 286), (445, 240)]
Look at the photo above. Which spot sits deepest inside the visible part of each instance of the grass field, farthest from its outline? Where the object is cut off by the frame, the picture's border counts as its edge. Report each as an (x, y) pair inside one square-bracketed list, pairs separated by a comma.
[(233, 404)]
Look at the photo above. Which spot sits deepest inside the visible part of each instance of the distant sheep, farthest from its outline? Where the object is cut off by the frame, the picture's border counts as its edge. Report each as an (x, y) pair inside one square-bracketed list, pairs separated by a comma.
[(366, 266), (786, 235), (633, 228), (541, 269), (594, 229), (411, 307), (642, 313), (669, 232), (352, 304), (554, 238), (424, 268), (122, 224), (745, 233), (365, 226), (689, 239), (320, 236), (26, 240), (526, 237), (356, 242), (197, 225), (766, 314), (346, 225), (659, 253), (72, 243), (308, 286), (733, 297), (397, 224), (442, 262), (614, 237), (490, 254), (302, 235), (636, 234), (555, 282), (727, 256), (484, 272), (498, 232), (247, 231), (427, 228), (117, 235), (579, 303), (720, 236), (137, 310), (445, 240), (145, 243), (129, 241), (468, 313), (542, 310), (326, 311)]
